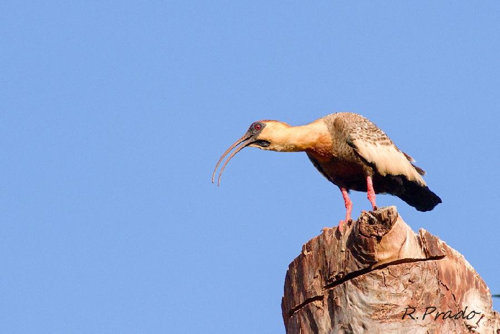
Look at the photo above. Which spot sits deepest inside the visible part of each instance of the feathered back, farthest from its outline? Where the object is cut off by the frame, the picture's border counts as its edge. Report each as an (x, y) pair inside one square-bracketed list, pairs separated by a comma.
[(373, 146)]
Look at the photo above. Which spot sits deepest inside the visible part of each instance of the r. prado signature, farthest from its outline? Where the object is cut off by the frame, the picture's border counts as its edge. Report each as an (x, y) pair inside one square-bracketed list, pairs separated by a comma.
[(432, 312)]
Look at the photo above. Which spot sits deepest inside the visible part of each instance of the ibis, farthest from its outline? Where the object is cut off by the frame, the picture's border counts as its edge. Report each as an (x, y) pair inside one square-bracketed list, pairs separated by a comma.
[(348, 150)]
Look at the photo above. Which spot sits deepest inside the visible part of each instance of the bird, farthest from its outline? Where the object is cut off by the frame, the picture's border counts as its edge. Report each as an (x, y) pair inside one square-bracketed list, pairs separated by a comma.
[(350, 151)]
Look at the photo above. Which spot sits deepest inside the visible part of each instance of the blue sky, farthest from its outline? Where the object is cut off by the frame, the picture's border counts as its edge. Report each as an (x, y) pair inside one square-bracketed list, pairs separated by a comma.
[(113, 115)]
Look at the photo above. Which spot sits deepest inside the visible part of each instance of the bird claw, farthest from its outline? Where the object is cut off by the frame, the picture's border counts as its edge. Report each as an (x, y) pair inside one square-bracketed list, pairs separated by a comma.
[(342, 224)]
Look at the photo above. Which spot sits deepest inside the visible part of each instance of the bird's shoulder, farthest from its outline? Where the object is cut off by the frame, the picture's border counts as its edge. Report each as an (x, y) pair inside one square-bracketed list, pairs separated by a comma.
[(372, 144), (353, 127)]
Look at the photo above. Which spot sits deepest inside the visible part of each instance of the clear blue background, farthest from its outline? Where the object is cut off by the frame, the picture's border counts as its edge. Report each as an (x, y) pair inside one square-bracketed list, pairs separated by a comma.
[(114, 113)]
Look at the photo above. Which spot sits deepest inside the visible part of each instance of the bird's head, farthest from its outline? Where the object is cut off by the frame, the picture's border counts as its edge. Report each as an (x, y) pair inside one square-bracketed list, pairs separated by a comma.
[(266, 135)]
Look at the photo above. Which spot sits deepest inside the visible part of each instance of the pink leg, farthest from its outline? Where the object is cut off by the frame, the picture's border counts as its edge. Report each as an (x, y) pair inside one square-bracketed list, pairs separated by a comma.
[(371, 192), (348, 206)]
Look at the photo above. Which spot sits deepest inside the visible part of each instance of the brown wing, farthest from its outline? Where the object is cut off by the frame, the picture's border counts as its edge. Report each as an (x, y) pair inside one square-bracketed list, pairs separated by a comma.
[(374, 146)]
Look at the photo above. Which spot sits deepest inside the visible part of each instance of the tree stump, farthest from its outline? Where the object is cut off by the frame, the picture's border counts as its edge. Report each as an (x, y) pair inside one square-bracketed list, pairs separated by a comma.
[(381, 277)]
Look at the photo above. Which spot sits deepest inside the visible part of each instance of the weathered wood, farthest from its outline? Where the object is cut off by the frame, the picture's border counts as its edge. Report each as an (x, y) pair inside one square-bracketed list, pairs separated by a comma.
[(381, 277)]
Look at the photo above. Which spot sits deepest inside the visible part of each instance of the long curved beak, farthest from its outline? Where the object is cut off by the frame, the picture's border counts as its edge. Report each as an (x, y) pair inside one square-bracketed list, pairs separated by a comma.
[(244, 141)]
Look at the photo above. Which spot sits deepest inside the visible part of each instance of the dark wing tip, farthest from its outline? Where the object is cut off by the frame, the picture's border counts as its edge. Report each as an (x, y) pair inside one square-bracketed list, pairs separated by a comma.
[(419, 170), (410, 159)]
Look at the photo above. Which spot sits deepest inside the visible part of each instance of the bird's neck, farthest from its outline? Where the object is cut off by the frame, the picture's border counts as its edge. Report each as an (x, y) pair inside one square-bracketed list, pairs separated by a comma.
[(301, 138)]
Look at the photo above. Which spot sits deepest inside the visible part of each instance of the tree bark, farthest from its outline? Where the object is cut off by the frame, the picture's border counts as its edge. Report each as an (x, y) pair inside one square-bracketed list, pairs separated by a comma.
[(381, 277)]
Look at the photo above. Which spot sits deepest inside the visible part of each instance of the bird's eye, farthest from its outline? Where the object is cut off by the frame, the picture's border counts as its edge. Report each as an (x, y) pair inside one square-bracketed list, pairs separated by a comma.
[(256, 128)]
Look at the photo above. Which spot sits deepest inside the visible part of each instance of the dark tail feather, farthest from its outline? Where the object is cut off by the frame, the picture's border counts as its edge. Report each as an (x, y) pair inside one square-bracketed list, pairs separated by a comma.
[(416, 195)]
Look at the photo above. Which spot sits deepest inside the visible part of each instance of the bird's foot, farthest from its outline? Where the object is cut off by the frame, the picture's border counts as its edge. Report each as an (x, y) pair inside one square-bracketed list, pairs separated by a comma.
[(342, 225)]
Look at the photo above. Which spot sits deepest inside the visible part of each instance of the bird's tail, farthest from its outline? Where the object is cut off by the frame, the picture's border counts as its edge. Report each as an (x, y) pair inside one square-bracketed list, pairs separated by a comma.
[(413, 193)]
